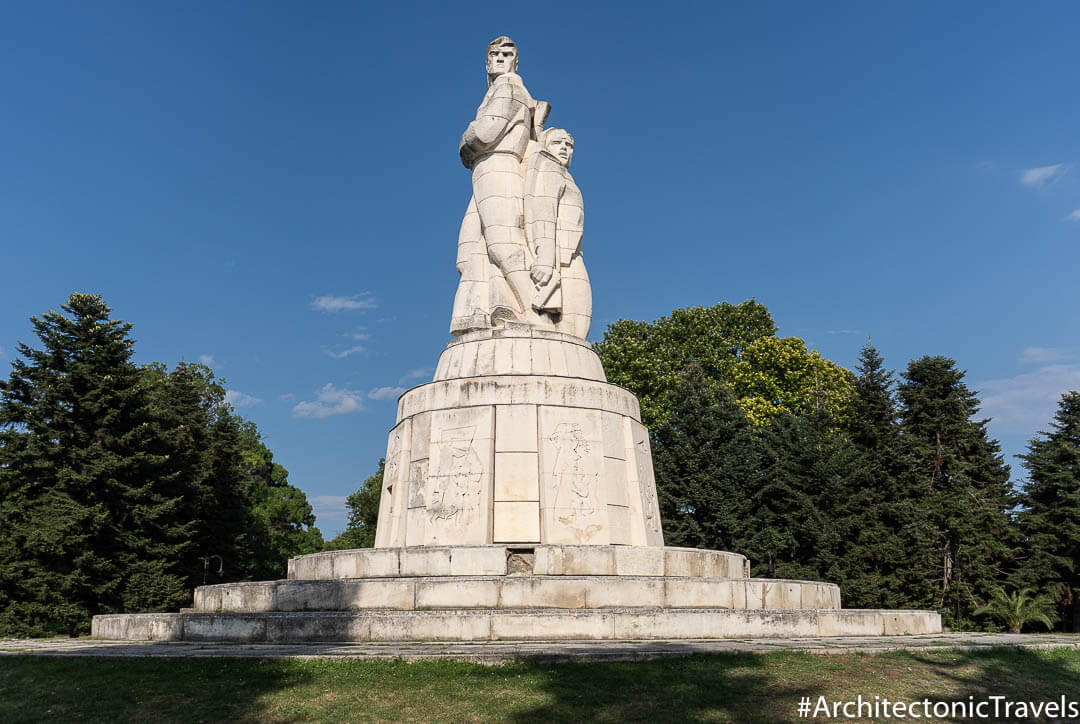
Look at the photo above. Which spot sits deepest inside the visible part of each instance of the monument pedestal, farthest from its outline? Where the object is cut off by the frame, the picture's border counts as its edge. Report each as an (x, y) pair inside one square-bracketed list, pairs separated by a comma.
[(490, 593), (505, 446)]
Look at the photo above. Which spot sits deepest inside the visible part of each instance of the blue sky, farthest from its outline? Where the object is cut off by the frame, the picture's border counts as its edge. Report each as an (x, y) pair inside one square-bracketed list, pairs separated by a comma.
[(273, 188)]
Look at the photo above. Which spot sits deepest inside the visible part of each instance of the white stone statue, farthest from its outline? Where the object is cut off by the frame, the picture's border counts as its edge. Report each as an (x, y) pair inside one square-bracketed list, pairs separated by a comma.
[(519, 247), (554, 223)]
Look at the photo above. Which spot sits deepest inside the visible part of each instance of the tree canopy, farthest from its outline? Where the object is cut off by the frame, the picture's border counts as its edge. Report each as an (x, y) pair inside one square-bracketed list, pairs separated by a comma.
[(122, 488)]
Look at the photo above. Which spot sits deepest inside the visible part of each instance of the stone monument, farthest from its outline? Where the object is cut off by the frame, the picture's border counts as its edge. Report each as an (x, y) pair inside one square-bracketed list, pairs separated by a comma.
[(518, 498)]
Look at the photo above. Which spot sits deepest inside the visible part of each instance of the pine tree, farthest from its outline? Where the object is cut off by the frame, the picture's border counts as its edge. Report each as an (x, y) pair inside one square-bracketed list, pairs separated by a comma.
[(969, 499), (1050, 521), (883, 559), (805, 466), (704, 457), (89, 510)]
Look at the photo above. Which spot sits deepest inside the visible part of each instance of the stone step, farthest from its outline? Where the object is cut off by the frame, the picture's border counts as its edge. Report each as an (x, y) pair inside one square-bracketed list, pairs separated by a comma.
[(520, 625), (516, 592), (498, 560)]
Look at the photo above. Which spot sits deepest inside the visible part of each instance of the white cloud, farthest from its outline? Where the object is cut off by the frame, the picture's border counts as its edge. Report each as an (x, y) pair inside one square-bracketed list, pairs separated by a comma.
[(359, 335), (287, 396), (330, 401), (844, 331), (2, 353), (238, 399), (345, 353), (415, 374), (1042, 175), (207, 359), (1075, 216), (329, 507), (386, 393), (1026, 403), (330, 303), (1041, 354)]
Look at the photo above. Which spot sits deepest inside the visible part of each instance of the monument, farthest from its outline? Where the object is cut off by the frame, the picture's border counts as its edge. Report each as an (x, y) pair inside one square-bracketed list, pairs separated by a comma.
[(518, 498)]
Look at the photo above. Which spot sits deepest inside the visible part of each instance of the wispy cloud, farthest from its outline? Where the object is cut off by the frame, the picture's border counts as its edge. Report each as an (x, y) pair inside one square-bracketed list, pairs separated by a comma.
[(207, 359), (330, 303), (1042, 175), (238, 399), (329, 507), (359, 335), (386, 393), (287, 396), (1075, 216), (346, 352), (2, 352), (844, 331), (328, 402), (1026, 403), (1042, 354), (416, 374)]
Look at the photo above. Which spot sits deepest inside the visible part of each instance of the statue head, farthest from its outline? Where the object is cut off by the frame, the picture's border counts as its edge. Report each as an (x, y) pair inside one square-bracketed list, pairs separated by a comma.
[(502, 57), (559, 144)]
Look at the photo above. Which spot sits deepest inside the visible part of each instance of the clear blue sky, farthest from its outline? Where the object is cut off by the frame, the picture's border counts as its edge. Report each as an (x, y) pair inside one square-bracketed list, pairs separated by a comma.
[(902, 170)]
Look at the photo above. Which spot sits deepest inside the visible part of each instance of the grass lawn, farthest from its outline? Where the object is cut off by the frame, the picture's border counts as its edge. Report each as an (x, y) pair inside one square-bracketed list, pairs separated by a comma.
[(728, 687)]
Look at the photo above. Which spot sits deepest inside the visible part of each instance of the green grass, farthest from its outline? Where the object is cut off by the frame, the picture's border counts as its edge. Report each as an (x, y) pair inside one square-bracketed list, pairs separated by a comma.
[(732, 687)]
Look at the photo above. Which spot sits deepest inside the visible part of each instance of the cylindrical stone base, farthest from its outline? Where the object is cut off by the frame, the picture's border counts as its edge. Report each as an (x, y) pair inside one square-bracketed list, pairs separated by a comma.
[(518, 459)]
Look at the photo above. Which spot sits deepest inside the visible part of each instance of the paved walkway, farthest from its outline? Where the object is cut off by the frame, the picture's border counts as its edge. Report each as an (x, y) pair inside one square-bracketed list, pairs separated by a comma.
[(492, 652)]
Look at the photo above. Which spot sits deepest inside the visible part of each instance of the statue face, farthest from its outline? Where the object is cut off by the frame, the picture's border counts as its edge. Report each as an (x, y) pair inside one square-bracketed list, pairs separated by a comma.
[(502, 59), (561, 146)]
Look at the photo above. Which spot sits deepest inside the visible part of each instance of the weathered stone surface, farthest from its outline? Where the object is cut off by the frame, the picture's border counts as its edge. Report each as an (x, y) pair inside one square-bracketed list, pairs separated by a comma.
[(495, 624), (575, 560), (458, 593), (904, 623), (478, 561), (138, 626)]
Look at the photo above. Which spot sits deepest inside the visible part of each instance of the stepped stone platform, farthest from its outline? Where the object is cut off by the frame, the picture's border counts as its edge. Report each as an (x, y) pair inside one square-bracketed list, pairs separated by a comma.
[(500, 593)]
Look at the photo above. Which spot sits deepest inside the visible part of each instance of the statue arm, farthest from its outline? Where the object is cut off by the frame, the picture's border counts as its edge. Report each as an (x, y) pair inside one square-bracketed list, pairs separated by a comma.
[(544, 188), (500, 111)]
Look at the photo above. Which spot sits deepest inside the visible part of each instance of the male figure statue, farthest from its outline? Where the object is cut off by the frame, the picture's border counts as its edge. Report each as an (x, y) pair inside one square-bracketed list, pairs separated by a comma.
[(493, 147), (554, 224)]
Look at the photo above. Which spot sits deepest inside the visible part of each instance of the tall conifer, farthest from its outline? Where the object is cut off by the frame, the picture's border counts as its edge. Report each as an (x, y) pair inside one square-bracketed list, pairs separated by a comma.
[(968, 498), (705, 458), (89, 510), (1050, 521)]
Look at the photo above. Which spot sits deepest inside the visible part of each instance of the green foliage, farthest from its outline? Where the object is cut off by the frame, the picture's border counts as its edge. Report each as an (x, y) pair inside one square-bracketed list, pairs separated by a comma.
[(1019, 608), (1050, 520), (649, 358), (86, 492), (967, 495), (776, 376), (704, 457), (363, 506), (119, 485), (883, 560), (733, 345)]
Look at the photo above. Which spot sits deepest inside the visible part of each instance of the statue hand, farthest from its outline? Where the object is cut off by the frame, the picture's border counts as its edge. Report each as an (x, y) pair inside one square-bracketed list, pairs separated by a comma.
[(541, 274)]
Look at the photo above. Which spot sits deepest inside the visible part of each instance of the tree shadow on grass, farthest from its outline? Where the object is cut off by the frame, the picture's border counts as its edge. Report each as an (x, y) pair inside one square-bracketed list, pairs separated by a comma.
[(117, 689), (1018, 674), (724, 687)]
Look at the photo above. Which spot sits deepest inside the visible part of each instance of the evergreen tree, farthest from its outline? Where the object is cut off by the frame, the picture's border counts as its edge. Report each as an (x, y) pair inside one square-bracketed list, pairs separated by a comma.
[(805, 465), (705, 458), (1050, 521), (363, 506), (90, 512), (968, 501), (883, 559)]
